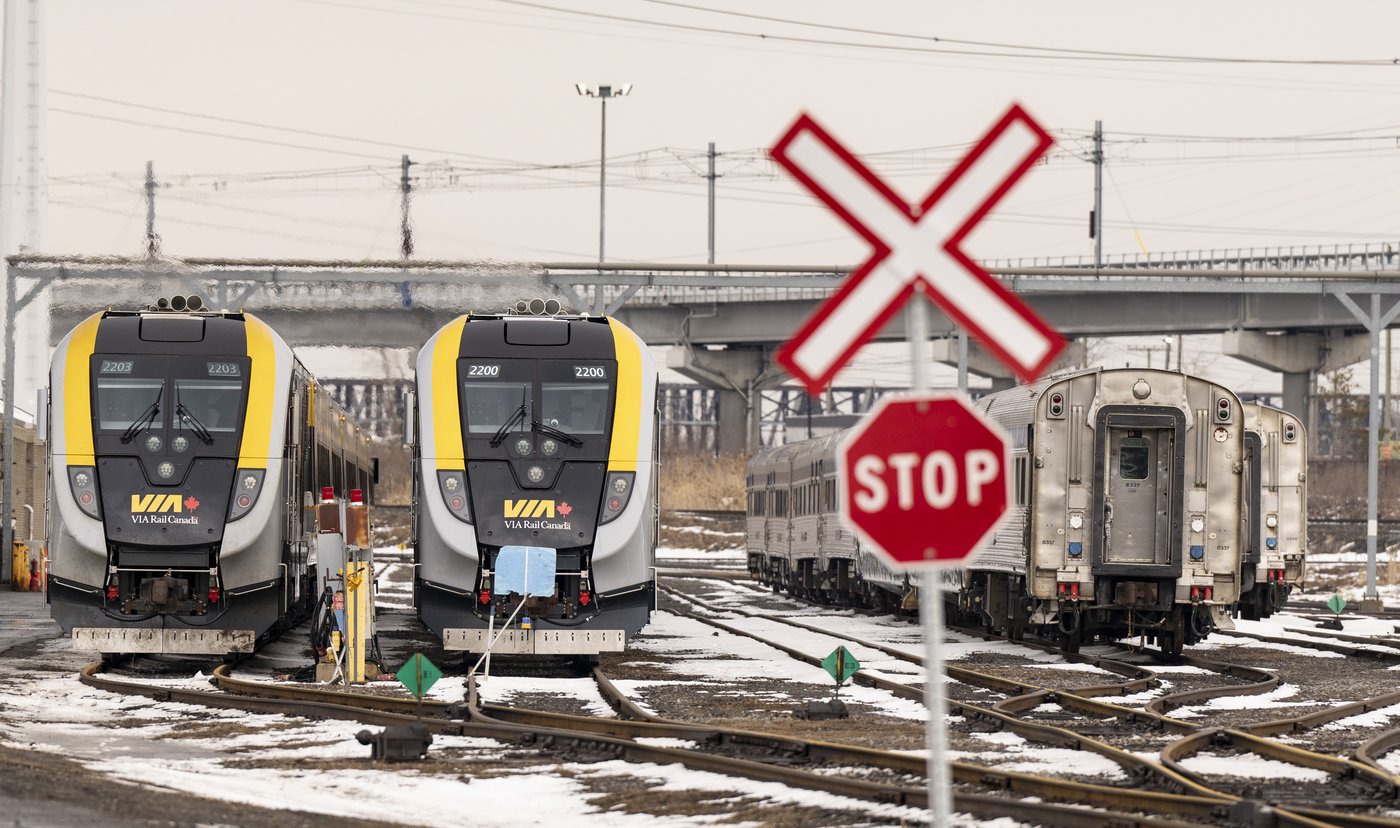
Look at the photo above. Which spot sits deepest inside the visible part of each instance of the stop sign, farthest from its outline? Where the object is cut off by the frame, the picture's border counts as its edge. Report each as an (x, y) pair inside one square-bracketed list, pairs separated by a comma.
[(924, 479)]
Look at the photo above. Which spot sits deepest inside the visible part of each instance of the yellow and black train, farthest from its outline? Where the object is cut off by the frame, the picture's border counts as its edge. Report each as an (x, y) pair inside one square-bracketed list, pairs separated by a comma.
[(184, 449), (535, 506)]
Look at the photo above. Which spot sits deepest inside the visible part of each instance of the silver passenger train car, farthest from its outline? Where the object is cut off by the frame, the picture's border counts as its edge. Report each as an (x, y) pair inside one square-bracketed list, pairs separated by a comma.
[(1126, 519), (183, 445), (536, 438), (1276, 542)]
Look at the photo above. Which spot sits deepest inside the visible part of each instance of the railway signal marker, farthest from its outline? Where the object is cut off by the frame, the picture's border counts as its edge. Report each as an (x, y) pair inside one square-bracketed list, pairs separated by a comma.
[(841, 665), (924, 479), (418, 674), (916, 248)]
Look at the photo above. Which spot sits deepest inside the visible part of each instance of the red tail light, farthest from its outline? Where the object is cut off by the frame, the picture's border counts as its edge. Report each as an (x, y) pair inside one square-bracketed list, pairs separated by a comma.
[(484, 597), (1074, 590), (213, 595), (357, 496), (1060, 589), (111, 593), (584, 598), (1195, 593), (1209, 592), (327, 494)]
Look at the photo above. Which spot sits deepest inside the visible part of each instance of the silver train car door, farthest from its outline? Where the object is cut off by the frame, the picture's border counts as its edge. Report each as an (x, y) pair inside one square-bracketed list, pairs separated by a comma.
[(1139, 484)]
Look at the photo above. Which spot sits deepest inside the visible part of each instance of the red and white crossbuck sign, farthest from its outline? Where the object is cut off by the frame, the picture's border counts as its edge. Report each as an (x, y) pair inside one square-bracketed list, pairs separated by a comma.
[(916, 245)]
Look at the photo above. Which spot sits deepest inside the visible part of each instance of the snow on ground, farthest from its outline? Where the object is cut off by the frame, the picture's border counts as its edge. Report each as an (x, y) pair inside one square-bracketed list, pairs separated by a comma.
[(721, 556), (501, 689), (1251, 766), (722, 658), (182, 747), (1033, 758)]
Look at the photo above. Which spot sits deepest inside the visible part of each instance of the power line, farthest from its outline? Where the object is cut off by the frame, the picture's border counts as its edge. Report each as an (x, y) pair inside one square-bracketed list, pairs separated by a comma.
[(313, 133), (1034, 52)]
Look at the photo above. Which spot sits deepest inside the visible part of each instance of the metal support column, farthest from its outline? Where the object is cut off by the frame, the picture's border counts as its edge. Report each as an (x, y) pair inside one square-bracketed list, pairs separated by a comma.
[(1375, 322), (14, 303)]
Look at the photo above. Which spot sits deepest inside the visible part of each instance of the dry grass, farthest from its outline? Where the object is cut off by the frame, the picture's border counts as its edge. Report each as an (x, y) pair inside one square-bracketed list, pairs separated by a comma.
[(702, 481)]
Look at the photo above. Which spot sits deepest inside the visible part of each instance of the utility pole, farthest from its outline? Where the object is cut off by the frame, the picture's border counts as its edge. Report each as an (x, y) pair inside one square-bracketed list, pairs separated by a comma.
[(1096, 217), (152, 243), (405, 226), (711, 176), (1150, 350)]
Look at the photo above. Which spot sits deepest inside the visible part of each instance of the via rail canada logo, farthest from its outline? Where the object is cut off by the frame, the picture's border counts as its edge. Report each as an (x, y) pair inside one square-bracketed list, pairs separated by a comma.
[(537, 514), (164, 509)]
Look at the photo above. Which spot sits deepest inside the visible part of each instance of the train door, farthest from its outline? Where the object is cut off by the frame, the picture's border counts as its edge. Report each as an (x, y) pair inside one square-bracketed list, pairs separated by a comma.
[(1140, 471), (1253, 487)]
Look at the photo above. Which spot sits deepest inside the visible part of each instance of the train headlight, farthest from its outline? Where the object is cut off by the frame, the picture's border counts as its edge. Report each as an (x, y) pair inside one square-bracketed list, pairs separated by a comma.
[(1076, 520), (153, 443), (548, 448), (180, 444), (1198, 523), (166, 470), (247, 486), (82, 480), (522, 446), (535, 473), (454, 493), (1271, 521), (616, 493)]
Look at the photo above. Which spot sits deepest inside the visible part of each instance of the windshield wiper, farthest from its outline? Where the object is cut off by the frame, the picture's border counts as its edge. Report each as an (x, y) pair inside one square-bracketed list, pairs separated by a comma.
[(196, 426), (517, 417), (556, 433), (147, 417)]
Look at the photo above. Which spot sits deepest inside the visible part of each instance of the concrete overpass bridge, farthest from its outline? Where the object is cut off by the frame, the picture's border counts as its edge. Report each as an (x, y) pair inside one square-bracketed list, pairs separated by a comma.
[(1295, 311)]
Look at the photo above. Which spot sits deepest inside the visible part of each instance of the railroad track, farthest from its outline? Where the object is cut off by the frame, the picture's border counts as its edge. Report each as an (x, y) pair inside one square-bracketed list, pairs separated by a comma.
[(1361, 785), (747, 754)]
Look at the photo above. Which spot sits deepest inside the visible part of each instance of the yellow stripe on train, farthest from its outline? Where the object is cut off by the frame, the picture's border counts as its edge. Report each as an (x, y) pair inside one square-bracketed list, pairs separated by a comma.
[(256, 447), (77, 392), (627, 414)]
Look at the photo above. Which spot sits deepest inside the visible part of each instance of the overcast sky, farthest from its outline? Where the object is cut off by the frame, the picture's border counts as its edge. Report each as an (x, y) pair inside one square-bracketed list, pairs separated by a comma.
[(276, 127)]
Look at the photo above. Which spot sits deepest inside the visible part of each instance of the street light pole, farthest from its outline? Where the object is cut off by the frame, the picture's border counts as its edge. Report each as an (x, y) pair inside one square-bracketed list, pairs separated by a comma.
[(602, 93)]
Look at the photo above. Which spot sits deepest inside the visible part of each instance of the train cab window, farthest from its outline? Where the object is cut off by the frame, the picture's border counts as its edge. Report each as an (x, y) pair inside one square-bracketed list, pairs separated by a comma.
[(124, 400), (1133, 458), (214, 404), (575, 407), (491, 404)]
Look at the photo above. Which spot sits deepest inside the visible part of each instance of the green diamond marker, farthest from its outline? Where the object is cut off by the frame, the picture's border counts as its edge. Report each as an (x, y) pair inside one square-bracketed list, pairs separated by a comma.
[(1337, 603), (841, 665), (418, 674)]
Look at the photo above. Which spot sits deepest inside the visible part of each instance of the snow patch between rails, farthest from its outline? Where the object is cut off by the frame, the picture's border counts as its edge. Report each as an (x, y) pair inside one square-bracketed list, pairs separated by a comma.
[(1251, 766), (1013, 753)]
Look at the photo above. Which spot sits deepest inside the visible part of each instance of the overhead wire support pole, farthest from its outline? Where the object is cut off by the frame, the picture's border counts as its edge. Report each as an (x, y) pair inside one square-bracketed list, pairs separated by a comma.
[(711, 177), (1096, 220), (405, 210), (152, 243)]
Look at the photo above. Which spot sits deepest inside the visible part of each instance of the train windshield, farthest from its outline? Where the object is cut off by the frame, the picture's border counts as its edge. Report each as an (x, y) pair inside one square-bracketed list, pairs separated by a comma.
[(122, 401), (491, 404), (185, 394), (211, 404), (578, 408)]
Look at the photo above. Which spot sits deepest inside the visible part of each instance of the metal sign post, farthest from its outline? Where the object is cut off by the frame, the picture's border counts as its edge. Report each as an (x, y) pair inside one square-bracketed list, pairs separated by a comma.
[(940, 792)]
